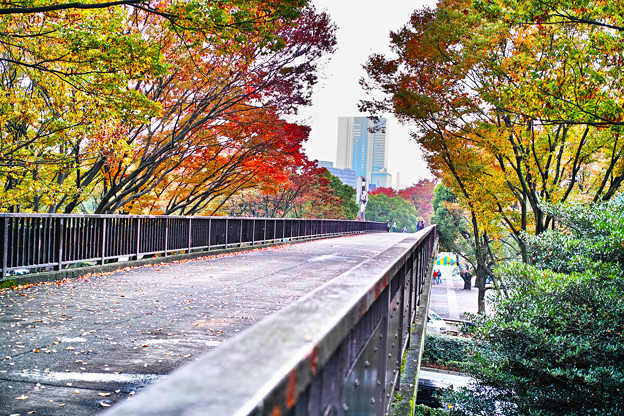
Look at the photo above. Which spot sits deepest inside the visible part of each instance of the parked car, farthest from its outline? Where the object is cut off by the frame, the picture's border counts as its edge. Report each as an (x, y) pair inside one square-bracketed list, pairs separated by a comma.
[(428, 392), (435, 324), (432, 382)]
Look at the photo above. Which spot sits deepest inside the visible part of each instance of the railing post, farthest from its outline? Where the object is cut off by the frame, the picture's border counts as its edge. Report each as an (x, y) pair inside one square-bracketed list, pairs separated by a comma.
[(103, 241), (5, 246), (60, 242), (240, 240), (190, 230), (227, 229), (209, 231), (138, 238), (253, 233), (166, 235)]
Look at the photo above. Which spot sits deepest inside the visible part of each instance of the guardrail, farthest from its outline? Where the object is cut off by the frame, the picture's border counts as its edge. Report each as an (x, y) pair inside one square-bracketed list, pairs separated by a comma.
[(337, 351), (38, 242)]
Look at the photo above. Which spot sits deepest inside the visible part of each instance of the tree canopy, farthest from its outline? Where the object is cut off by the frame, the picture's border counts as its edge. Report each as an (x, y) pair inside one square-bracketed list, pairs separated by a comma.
[(152, 107), (515, 104)]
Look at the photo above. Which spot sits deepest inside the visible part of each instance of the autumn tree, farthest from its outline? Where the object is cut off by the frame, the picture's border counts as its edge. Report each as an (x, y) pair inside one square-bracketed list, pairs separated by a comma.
[(389, 192), (487, 96), (213, 97), (69, 74), (421, 196), (64, 77), (219, 81), (307, 192)]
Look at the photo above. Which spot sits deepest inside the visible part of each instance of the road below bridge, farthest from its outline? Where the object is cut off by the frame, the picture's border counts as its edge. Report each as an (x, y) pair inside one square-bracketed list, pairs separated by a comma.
[(78, 346)]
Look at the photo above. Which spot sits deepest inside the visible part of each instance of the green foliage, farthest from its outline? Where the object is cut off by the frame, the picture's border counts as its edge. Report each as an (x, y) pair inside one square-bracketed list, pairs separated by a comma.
[(555, 346), (345, 193), (382, 208), (588, 239), (421, 410), (449, 218), (7, 284), (446, 351)]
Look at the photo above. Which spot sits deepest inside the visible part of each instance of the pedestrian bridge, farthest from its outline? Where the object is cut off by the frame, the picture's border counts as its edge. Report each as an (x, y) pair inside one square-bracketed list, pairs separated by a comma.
[(324, 327)]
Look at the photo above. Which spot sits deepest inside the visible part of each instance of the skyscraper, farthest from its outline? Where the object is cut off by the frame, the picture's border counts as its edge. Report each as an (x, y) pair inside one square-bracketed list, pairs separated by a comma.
[(363, 150)]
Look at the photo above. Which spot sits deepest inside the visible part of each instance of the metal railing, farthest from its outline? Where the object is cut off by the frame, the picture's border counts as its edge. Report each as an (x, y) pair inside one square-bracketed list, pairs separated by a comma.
[(337, 351), (36, 242)]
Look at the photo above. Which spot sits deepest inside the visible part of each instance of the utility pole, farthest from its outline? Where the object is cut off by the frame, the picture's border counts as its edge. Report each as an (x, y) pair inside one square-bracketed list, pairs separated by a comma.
[(361, 197)]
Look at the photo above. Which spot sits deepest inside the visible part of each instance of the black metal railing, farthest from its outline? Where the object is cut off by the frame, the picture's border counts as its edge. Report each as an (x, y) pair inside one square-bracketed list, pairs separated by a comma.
[(337, 351), (36, 242)]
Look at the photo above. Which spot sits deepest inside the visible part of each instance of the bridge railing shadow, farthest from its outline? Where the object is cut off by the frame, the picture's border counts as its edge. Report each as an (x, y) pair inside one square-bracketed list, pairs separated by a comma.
[(336, 351), (41, 242)]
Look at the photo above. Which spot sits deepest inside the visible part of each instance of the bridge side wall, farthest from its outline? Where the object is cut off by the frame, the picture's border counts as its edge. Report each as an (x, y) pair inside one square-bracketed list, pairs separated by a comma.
[(336, 351)]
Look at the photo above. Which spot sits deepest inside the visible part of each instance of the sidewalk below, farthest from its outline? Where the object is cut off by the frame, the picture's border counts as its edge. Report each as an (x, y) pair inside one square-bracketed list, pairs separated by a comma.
[(449, 299)]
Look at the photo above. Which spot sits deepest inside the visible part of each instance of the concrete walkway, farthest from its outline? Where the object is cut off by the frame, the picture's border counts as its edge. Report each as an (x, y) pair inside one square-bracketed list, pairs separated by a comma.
[(76, 347)]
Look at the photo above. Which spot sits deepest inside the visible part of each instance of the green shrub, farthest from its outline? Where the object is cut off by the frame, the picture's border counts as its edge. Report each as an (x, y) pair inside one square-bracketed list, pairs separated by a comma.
[(446, 351), (553, 345), (422, 410), (7, 284)]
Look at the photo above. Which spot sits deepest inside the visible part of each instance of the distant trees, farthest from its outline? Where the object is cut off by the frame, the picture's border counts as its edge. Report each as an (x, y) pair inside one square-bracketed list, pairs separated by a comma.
[(454, 232), (420, 195), (309, 192), (382, 208), (407, 206)]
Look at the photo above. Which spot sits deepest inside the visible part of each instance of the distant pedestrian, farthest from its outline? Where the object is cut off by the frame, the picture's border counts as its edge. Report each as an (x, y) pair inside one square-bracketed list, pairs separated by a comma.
[(388, 225), (420, 225), (394, 227), (439, 276), (435, 277), (404, 229)]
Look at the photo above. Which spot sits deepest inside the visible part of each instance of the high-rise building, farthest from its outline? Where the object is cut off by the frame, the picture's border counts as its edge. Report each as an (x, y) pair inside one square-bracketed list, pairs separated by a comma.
[(362, 146), (346, 176)]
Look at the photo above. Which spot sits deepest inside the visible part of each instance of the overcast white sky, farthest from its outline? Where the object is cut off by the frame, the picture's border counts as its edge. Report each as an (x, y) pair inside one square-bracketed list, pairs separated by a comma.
[(363, 29)]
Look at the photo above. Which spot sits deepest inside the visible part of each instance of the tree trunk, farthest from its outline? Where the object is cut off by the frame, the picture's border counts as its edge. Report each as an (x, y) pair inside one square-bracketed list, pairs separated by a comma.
[(467, 280)]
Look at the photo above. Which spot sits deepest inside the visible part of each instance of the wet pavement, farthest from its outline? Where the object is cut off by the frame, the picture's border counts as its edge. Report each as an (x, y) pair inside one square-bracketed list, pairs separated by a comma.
[(77, 346)]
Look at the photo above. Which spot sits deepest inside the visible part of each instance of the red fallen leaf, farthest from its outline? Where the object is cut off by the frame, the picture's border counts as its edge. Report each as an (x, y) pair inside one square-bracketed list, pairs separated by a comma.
[(145, 345), (122, 296)]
